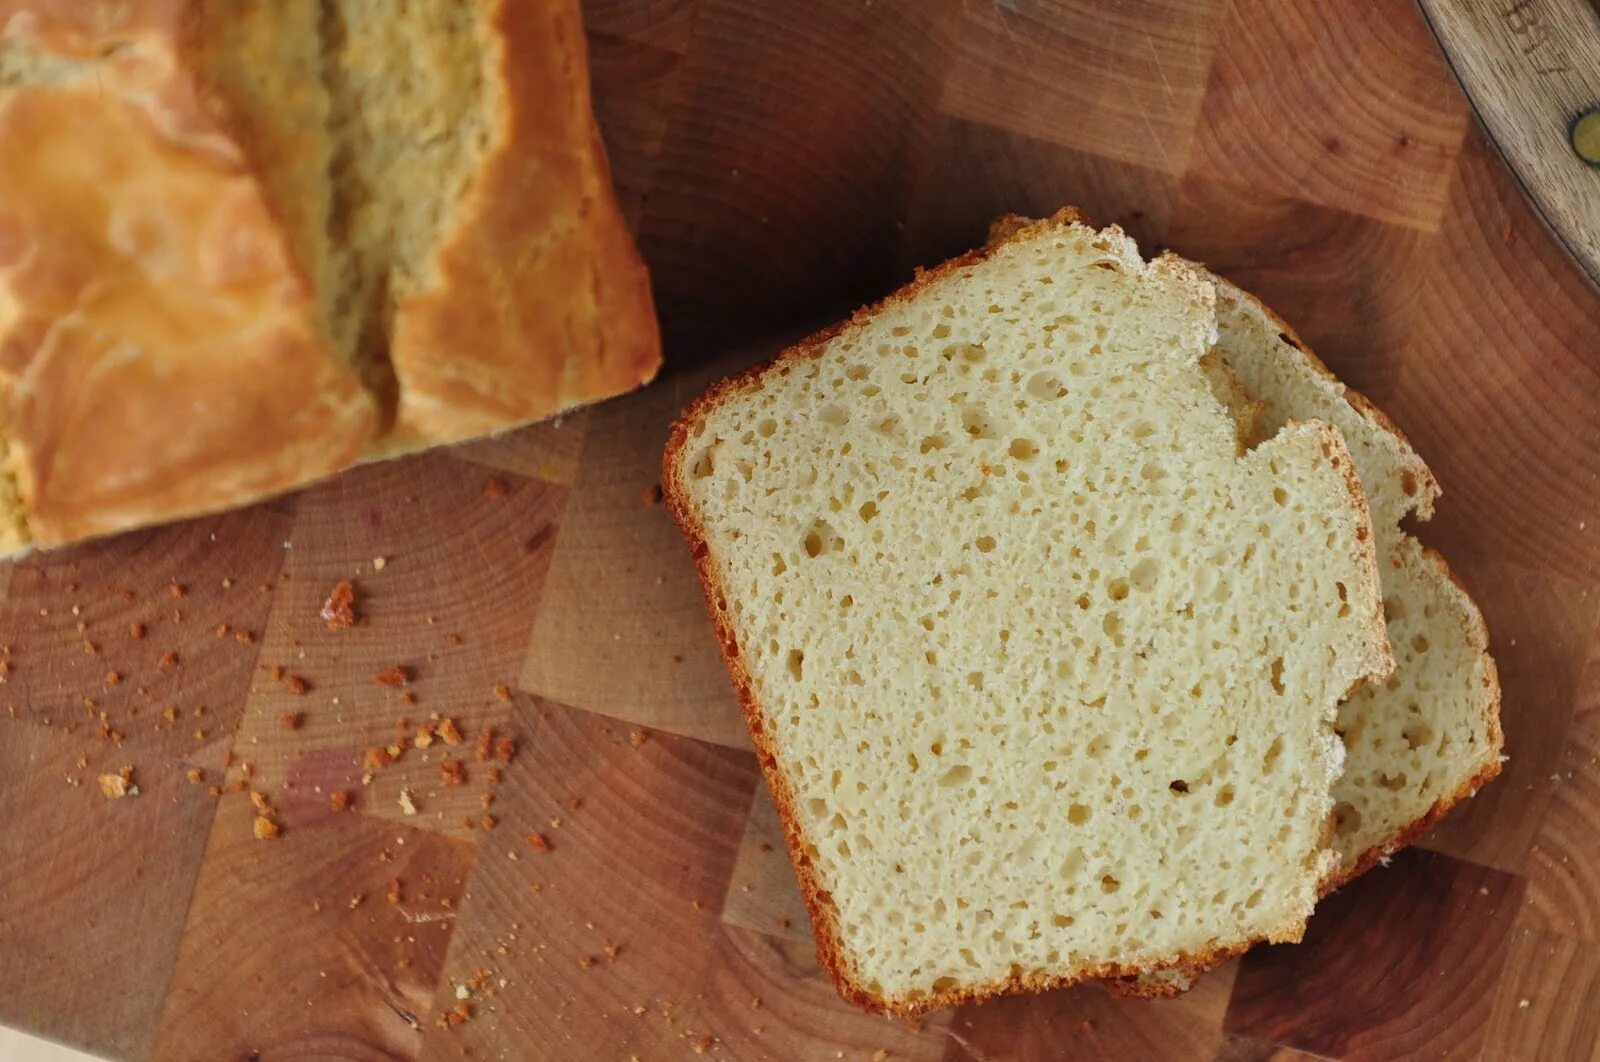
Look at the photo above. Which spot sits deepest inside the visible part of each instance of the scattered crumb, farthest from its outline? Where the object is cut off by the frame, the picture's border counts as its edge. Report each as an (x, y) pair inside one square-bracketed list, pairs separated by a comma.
[(222, 630), (506, 751), (494, 487), (296, 685), (340, 799), (379, 563), (652, 495), (168, 661), (265, 828), (375, 758), (195, 775), (704, 1044), (502, 692), (118, 785), (1524, 1004), (136, 631), (539, 842), (453, 772), (638, 737), (396, 891), (357, 900), (339, 611), (113, 678), (392, 676), (456, 1015), (291, 720), (879, 1055), (407, 805), (449, 731), (488, 822), (177, 589), (244, 637), (485, 746)]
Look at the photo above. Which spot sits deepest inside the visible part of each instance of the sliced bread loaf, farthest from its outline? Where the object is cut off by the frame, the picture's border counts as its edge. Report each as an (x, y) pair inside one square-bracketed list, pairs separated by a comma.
[(1429, 737), (1041, 670)]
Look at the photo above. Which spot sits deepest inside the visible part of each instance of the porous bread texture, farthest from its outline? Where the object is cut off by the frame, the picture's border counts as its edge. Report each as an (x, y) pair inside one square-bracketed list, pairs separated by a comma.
[(1041, 671), (1428, 737), (13, 521)]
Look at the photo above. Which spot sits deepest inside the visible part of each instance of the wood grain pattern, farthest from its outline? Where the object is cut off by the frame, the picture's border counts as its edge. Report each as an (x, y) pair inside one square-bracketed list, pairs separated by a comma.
[(1531, 67), (781, 164)]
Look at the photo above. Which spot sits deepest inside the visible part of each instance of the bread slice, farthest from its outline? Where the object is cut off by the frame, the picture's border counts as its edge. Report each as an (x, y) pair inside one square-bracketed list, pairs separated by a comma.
[(1429, 737), (1041, 671)]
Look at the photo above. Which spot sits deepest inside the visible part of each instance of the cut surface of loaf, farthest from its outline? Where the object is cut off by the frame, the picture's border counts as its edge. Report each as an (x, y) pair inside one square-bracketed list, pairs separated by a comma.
[(1042, 671), (249, 243), (1429, 736)]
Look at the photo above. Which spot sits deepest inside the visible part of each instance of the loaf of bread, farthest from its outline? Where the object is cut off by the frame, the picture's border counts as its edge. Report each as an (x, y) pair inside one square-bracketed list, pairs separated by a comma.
[(244, 245), (1041, 668), (1428, 737)]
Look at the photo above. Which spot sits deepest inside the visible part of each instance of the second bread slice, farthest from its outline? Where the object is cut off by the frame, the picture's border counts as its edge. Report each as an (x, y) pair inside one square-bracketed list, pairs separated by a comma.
[(1042, 671)]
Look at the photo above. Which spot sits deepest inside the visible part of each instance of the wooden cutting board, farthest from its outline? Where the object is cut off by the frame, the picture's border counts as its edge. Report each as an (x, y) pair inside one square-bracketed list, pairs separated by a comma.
[(782, 162)]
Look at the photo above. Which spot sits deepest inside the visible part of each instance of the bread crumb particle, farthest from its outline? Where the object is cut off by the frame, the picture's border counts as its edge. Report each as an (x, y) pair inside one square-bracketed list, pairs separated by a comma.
[(339, 611), (539, 842), (407, 805), (291, 720), (118, 785), (638, 737), (393, 676), (265, 828), (339, 799), (494, 488)]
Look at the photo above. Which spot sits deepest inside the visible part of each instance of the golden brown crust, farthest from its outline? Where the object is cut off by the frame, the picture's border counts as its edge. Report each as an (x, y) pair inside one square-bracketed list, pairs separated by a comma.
[(830, 950), (157, 352), (161, 349), (518, 326)]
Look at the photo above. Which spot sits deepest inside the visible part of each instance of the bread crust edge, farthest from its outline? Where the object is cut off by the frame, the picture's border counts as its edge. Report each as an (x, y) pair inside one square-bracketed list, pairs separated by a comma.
[(829, 944)]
